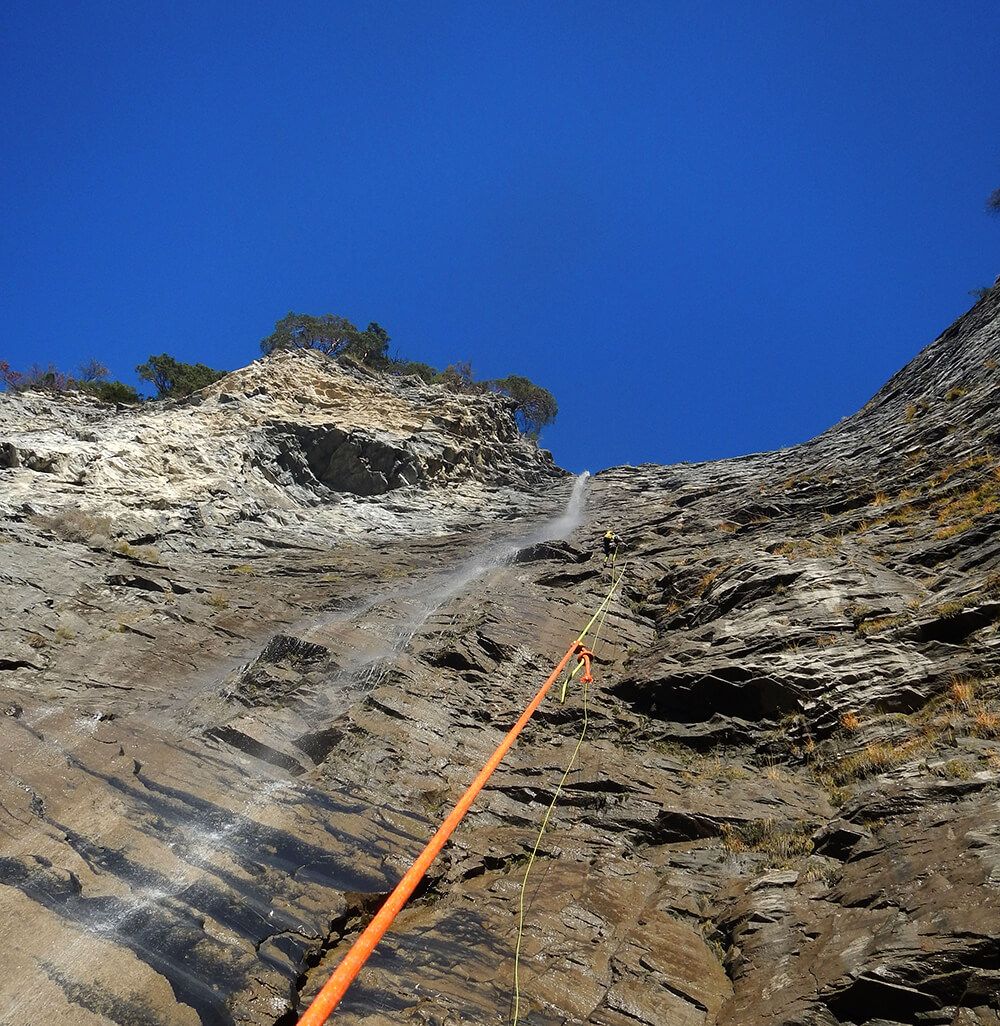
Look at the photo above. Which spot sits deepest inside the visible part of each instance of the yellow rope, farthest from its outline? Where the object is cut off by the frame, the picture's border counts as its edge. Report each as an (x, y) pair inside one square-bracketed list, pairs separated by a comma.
[(602, 612)]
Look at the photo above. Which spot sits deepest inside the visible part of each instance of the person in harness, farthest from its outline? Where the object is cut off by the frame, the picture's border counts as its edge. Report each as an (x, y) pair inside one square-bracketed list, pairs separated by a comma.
[(612, 543)]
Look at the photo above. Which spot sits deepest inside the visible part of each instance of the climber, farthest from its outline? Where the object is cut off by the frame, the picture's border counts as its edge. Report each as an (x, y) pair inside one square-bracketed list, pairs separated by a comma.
[(612, 543)]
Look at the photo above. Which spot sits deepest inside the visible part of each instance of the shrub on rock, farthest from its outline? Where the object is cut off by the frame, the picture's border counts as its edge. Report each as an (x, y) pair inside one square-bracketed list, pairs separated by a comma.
[(174, 379)]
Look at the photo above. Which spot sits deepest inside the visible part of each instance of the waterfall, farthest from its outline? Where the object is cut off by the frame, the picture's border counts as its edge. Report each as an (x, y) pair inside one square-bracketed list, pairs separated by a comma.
[(571, 517)]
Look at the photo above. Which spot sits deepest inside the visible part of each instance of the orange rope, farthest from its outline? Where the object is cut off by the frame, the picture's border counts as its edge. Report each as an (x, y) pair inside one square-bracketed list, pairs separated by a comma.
[(334, 989)]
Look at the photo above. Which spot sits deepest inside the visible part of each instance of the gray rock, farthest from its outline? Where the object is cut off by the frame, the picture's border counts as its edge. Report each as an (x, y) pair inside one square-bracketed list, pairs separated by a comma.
[(256, 643)]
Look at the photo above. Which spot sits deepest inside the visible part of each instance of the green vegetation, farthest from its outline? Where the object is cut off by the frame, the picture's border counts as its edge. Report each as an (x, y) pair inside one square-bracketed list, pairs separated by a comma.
[(173, 379), (92, 379), (407, 368), (992, 207), (329, 334), (169, 377), (534, 407)]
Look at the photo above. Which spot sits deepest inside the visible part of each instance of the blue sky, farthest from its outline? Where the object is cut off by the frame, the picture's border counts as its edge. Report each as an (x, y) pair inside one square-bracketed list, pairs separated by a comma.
[(709, 229)]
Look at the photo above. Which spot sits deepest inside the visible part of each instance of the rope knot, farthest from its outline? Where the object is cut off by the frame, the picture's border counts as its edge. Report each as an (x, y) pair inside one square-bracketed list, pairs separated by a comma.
[(584, 656)]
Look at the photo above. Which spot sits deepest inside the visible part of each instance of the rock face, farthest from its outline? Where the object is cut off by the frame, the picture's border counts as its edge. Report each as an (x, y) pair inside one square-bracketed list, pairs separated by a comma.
[(255, 644)]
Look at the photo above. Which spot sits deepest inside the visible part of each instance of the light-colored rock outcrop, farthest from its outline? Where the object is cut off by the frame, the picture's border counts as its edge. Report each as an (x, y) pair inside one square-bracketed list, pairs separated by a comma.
[(295, 442)]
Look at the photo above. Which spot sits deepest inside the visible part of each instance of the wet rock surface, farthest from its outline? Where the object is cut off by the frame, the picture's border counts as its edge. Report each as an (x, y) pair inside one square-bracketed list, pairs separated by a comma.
[(255, 645)]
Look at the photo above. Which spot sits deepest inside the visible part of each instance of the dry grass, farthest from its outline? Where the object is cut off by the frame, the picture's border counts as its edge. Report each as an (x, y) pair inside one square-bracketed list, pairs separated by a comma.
[(713, 766), (915, 410), (960, 512), (969, 706), (130, 620), (826, 640), (780, 845), (856, 612), (809, 548), (217, 600), (850, 721), (875, 758), (898, 517), (76, 525), (243, 568), (954, 607), (986, 723), (939, 721), (140, 553), (708, 580), (838, 796), (969, 463), (728, 527), (880, 624), (952, 529), (803, 479), (957, 768), (955, 392), (955, 513), (65, 634)]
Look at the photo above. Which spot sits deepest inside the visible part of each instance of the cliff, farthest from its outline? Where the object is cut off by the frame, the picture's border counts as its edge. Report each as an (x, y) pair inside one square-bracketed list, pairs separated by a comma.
[(255, 642)]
